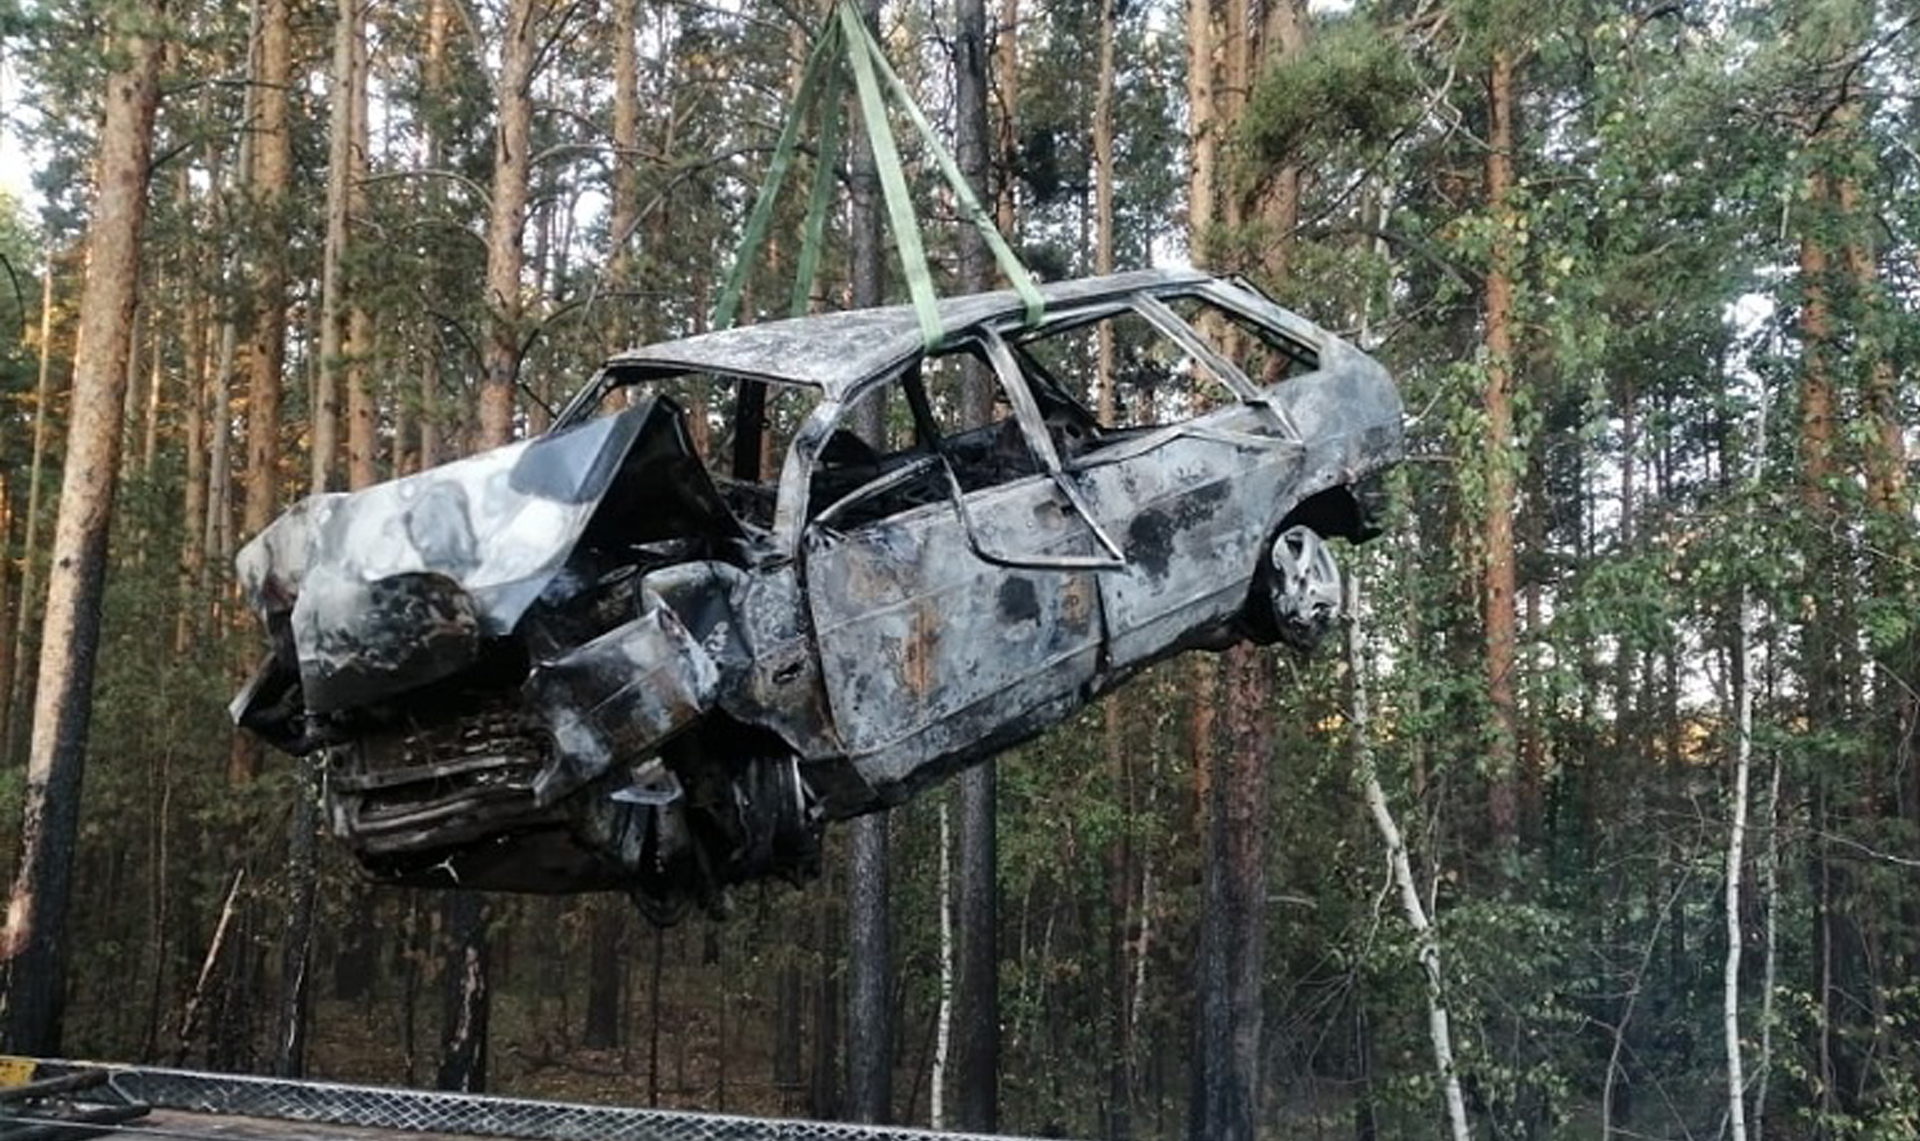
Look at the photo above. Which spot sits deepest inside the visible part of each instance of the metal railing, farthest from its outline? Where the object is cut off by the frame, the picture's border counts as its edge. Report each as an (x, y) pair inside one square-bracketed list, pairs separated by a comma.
[(476, 1115)]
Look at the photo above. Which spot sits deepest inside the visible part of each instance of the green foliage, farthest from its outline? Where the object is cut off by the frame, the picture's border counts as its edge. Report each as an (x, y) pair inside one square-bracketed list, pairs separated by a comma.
[(1352, 88), (1663, 161)]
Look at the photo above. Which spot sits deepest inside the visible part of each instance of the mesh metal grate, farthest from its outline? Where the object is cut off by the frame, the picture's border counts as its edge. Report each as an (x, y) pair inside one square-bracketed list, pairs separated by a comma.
[(430, 1111)]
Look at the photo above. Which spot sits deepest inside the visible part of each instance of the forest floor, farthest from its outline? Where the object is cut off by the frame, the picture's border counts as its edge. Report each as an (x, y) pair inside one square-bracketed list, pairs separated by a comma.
[(536, 1053)]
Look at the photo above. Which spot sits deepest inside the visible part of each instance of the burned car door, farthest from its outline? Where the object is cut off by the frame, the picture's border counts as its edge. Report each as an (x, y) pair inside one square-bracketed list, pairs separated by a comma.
[(966, 619), (1189, 473)]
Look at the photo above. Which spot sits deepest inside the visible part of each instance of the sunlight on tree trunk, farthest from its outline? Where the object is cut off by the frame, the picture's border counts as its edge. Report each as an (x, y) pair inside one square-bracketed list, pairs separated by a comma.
[(1498, 579), (507, 222), (33, 943)]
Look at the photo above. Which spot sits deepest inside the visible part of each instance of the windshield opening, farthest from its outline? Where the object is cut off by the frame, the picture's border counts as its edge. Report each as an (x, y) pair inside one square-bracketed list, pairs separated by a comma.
[(740, 428)]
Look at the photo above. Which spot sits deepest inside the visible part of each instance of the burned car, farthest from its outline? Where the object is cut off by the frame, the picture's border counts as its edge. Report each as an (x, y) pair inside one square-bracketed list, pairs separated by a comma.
[(755, 580)]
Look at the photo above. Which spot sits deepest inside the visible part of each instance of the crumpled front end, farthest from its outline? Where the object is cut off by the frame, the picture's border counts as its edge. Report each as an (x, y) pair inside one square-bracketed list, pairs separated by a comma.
[(474, 655), (487, 799), (375, 593)]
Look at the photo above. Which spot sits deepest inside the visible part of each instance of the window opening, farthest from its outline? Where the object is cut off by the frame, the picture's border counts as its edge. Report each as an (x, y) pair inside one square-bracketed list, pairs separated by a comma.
[(1155, 380), (1263, 354), (983, 442), (855, 483), (740, 430)]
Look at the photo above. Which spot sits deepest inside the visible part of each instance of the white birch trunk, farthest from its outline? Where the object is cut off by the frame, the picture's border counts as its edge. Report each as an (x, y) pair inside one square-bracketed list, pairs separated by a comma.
[(1426, 939), (1742, 770), (1736, 856), (943, 1021), (1770, 895)]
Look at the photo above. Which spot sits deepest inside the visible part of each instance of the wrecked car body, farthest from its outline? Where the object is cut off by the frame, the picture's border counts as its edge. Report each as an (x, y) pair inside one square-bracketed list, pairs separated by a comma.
[(656, 648)]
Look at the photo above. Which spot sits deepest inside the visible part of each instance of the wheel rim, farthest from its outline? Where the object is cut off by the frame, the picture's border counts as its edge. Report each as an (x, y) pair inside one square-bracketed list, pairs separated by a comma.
[(1305, 586)]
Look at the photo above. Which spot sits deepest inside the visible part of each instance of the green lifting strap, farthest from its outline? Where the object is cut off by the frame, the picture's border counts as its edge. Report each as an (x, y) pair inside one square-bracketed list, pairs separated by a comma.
[(821, 200), (822, 58), (893, 180), (1010, 265), (820, 84)]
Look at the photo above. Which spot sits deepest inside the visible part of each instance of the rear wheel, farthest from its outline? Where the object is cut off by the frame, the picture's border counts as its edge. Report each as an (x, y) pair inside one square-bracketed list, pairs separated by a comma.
[(1296, 590)]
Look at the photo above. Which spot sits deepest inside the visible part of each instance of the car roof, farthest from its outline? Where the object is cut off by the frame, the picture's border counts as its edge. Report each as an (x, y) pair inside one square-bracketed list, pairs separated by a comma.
[(835, 352)]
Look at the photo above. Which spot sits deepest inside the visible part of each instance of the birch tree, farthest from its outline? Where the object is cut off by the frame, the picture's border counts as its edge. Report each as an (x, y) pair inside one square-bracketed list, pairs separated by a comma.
[(1399, 866)]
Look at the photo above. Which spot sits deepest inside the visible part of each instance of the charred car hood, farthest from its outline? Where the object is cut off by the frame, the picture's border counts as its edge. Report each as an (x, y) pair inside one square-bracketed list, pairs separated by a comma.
[(395, 586)]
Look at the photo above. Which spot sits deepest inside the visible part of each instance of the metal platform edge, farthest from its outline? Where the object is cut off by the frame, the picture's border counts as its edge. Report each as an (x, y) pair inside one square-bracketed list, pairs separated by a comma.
[(478, 1115)]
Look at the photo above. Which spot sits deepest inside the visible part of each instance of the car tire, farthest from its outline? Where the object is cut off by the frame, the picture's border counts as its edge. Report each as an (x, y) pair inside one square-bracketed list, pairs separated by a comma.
[(1296, 593)]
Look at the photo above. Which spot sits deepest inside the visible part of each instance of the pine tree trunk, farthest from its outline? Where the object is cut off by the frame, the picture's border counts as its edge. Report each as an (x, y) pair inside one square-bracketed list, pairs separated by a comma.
[(463, 1062), (1119, 873), (1007, 144), (624, 212), (1226, 1084), (1202, 128), (434, 79), (1230, 97), (216, 530), (267, 183), (1119, 1109), (1823, 576), (1497, 576), (602, 1028), (870, 1015), (976, 984), (266, 347), (823, 1083), (787, 1036), (325, 416), (296, 948), (506, 224), (1224, 1098), (155, 391), (362, 405), (9, 613), (193, 506), (1283, 37), (33, 942), (1103, 204), (30, 591)]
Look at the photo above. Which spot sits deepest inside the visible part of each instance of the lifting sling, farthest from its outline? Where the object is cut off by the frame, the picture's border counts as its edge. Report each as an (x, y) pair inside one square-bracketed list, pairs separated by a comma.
[(845, 37)]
